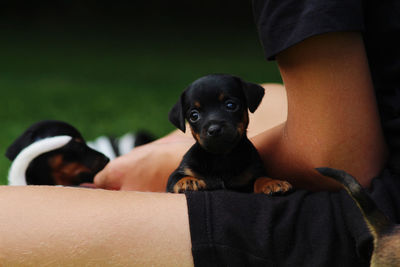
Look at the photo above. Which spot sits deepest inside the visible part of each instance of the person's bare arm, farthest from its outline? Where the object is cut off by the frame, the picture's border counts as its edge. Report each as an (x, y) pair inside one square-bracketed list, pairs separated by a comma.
[(50, 226), (332, 114), (145, 168)]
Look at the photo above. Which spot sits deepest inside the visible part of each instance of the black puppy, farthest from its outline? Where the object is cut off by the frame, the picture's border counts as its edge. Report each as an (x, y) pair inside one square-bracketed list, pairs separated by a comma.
[(222, 157), (386, 234), (53, 153)]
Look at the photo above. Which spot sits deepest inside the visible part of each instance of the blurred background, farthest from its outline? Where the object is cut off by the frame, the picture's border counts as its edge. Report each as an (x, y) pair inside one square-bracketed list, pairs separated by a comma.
[(110, 67)]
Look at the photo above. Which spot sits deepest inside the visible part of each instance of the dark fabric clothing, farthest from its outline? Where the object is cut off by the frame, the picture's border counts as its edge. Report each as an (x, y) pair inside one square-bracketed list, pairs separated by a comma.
[(301, 229), (304, 228), (282, 24)]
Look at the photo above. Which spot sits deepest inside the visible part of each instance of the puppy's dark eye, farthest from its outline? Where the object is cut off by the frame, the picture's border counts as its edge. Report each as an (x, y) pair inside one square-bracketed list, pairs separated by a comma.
[(231, 106), (194, 116)]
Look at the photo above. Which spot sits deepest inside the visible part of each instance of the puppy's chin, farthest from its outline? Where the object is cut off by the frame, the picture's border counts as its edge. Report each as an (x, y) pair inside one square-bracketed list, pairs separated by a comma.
[(220, 144)]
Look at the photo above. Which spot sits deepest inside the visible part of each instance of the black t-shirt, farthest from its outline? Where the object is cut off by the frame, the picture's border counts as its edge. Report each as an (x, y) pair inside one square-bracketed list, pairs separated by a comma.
[(304, 228)]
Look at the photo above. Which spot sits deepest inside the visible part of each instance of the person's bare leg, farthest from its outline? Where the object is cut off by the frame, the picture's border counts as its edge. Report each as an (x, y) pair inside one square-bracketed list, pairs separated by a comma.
[(43, 226)]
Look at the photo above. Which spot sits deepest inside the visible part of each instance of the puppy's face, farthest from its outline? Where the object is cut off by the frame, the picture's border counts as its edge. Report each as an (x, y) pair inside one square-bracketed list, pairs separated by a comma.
[(72, 164), (76, 163), (217, 115), (215, 107)]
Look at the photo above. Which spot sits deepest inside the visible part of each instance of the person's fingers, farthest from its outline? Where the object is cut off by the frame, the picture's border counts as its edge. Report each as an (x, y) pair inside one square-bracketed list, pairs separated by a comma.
[(108, 178), (99, 179)]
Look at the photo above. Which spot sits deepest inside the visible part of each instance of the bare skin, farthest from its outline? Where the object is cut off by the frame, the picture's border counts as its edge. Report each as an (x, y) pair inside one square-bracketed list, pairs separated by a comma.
[(332, 121), (332, 117), (48, 226)]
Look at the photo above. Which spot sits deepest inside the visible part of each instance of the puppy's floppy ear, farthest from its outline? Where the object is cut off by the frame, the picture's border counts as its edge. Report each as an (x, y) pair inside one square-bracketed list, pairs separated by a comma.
[(12, 151), (176, 115), (253, 93), (19, 144)]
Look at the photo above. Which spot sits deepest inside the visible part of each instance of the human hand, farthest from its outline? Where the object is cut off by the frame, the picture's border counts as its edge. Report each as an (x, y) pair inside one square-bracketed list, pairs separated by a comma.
[(145, 168)]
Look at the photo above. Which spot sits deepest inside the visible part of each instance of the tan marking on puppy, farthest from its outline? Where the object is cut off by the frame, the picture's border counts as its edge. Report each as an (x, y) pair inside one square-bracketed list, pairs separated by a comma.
[(221, 97), (245, 118), (197, 104), (242, 126), (196, 135), (189, 184), (187, 171), (270, 186), (65, 173), (56, 161)]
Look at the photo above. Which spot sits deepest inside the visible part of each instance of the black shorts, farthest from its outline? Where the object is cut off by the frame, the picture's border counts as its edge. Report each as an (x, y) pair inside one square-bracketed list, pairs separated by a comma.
[(300, 229)]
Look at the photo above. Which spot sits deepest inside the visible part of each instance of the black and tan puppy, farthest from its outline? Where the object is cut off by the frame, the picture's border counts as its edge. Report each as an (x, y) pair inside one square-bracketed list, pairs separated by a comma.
[(52, 153), (216, 108), (386, 234)]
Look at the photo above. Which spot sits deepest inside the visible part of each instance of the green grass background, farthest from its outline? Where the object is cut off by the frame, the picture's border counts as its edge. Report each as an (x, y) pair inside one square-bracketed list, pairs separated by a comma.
[(108, 82)]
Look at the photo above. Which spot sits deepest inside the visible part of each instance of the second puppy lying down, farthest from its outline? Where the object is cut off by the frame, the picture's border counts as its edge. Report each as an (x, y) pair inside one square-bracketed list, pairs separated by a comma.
[(222, 157), (52, 153)]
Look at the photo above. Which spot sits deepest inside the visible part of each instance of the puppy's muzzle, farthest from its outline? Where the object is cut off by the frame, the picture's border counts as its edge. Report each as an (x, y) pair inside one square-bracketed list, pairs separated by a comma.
[(100, 163), (219, 137)]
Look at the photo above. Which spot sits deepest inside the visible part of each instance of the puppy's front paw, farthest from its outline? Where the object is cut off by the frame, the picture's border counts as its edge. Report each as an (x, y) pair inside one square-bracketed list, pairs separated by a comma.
[(189, 184), (270, 186)]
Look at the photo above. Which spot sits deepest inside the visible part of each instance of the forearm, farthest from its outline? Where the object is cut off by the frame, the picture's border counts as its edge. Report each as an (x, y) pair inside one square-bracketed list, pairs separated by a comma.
[(332, 115), (281, 161), (176, 136), (78, 227), (147, 167)]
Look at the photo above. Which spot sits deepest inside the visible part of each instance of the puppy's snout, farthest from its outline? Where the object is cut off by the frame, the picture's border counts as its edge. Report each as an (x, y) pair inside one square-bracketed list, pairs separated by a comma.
[(214, 130), (104, 161), (100, 162)]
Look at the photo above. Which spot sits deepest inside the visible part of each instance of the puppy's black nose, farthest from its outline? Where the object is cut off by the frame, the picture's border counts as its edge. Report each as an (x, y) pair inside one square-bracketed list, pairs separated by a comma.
[(214, 130)]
